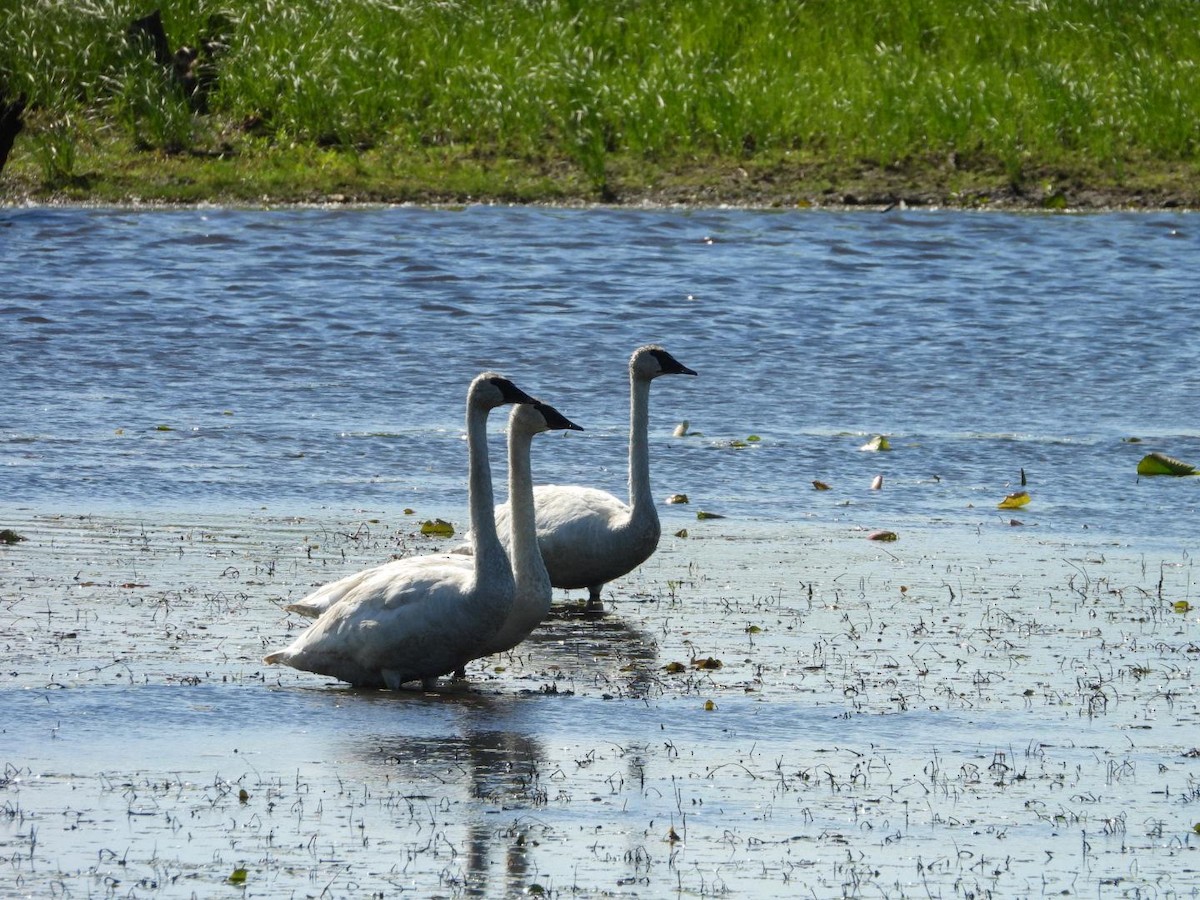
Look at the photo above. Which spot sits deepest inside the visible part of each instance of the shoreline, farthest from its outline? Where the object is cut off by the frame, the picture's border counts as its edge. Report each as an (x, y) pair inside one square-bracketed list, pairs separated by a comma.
[(303, 177)]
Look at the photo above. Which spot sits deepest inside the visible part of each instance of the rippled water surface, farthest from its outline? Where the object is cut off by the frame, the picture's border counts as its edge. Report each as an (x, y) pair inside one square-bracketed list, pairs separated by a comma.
[(209, 412), (320, 356)]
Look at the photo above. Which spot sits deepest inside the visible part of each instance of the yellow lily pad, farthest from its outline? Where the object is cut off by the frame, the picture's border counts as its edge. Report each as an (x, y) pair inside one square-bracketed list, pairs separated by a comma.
[(1015, 500), (1161, 464), (820, 486), (678, 498), (883, 536), (437, 528), (707, 515)]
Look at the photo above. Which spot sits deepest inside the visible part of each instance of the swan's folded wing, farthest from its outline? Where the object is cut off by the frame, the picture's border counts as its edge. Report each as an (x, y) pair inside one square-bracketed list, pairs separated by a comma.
[(580, 509), (320, 600)]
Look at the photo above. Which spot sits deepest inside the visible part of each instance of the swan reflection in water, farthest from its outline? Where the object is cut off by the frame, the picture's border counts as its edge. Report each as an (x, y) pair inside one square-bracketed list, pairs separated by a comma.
[(487, 768)]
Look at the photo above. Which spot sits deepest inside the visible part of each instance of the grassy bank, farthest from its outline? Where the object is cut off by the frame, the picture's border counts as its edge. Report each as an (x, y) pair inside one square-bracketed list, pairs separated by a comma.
[(973, 103)]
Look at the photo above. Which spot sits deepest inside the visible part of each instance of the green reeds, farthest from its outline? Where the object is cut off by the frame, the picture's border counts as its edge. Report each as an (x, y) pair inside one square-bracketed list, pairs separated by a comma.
[(997, 85)]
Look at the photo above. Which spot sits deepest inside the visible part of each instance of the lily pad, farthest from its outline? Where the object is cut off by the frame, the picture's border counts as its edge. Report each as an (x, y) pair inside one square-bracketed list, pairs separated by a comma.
[(678, 498), (820, 486), (8, 536), (1015, 500), (707, 515), (437, 528), (883, 536), (1161, 464)]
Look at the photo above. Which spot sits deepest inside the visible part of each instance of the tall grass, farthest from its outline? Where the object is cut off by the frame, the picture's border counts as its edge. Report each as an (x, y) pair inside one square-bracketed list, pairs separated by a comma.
[(988, 82)]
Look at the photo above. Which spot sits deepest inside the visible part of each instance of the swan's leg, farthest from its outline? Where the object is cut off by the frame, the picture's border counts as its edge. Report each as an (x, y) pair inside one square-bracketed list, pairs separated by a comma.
[(429, 684), (594, 603), (460, 672)]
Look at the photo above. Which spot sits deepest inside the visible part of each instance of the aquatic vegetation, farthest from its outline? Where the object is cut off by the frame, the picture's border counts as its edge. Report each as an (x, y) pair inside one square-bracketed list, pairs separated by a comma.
[(1015, 500), (1161, 464)]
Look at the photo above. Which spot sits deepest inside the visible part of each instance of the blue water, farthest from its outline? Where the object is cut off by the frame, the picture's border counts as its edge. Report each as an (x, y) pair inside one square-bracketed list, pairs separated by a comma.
[(213, 358)]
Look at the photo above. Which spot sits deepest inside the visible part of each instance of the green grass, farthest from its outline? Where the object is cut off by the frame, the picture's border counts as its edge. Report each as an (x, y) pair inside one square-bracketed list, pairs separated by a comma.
[(622, 95)]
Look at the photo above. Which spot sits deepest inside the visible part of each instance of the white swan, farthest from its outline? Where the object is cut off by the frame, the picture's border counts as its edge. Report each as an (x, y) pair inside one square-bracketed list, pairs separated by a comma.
[(589, 537), (534, 592), (419, 618)]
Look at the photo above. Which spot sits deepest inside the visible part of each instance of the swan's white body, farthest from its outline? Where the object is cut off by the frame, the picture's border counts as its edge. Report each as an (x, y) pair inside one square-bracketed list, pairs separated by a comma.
[(534, 592), (588, 537), (417, 619)]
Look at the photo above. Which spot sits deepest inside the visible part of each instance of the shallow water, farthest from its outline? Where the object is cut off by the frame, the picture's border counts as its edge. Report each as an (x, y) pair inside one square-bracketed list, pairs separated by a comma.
[(991, 716), (211, 412)]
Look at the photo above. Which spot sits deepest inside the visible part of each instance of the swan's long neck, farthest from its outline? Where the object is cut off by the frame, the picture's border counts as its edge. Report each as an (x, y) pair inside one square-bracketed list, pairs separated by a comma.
[(489, 553), (641, 501), (528, 569)]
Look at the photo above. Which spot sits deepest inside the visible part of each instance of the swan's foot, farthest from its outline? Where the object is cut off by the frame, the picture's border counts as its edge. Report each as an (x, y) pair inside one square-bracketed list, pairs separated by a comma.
[(595, 606)]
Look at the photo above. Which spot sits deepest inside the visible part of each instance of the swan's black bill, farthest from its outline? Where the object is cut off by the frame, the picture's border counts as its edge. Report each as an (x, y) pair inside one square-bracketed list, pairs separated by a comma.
[(554, 419), (670, 365), (510, 392)]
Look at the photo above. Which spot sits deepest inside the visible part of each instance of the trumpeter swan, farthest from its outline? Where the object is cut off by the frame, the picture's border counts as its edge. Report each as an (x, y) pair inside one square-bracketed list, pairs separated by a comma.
[(534, 592), (588, 537), (416, 619)]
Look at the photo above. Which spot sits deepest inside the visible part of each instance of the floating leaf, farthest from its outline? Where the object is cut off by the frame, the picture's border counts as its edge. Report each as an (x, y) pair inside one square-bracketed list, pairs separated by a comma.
[(238, 876), (753, 439), (877, 483), (883, 536), (709, 706), (1161, 464), (879, 442), (437, 528), (738, 444), (708, 663), (8, 536), (681, 429), (678, 498), (408, 511), (821, 486), (1182, 606), (674, 668), (243, 796), (701, 514), (1014, 500), (672, 836), (163, 428), (753, 629), (681, 533)]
